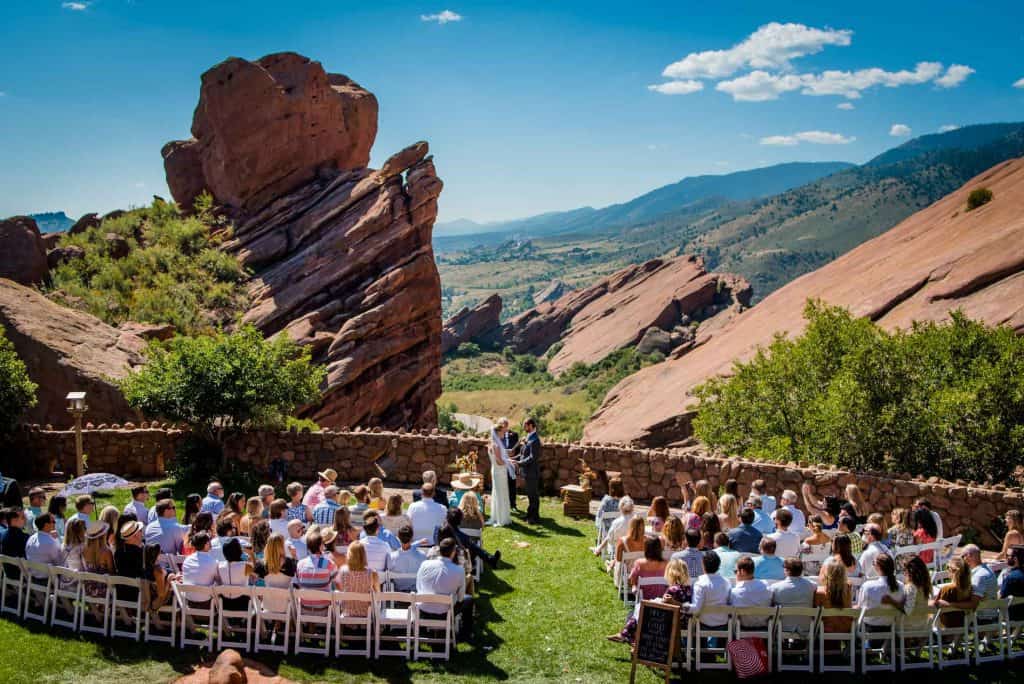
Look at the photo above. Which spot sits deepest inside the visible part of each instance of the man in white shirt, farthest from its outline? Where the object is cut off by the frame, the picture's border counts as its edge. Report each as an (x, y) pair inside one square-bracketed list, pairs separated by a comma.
[(165, 531), (873, 535), (200, 568), (749, 592), (710, 591), (427, 515), (443, 576), (795, 590), (140, 495), (799, 522), (214, 501), (787, 542), (43, 547), (377, 550)]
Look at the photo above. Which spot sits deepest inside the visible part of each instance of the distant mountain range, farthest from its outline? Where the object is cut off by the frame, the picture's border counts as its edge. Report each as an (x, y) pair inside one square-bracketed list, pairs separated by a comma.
[(53, 221)]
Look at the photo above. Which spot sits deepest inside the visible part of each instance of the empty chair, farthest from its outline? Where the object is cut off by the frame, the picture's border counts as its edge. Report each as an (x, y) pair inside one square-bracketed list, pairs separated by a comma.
[(353, 612), (313, 618), (234, 603), (392, 622), (196, 605), (434, 613), (94, 595), (755, 622), (273, 609), (12, 585), (837, 649), (621, 572), (65, 598), (38, 583), (395, 581), (125, 606), (876, 629), (794, 638), (916, 644)]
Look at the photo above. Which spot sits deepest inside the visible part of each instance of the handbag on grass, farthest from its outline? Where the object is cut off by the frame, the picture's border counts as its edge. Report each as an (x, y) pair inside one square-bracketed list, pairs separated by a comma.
[(749, 657)]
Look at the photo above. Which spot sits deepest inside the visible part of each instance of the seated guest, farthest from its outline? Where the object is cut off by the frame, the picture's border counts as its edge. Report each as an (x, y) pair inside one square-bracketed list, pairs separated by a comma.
[(443, 576), (375, 488), (74, 544), (36, 500), (140, 495), (827, 508), (226, 529), (900, 533), (710, 591), (161, 494), (316, 571), (347, 532), (296, 541), (727, 556), (129, 560), (769, 566), (200, 568), (984, 583), (699, 507), (1012, 583), (427, 515), (277, 569), (203, 522), (159, 582), (877, 519), (704, 488), (709, 527), (673, 535), (1014, 533), (834, 591), (651, 565), (406, 560), (794, 590), (323, 514), (762, 522), (234, 571), (393, 518), (609, 502), (84, 505), (619, 526), (362, 496), (917, 593), (266, 495), (5, 516), (438, 492), (787, 542), (847, 528), (213, 503), (235, 505), (958, 593), (111, 515), (749, 592), (768, 503), (376, 546), (658, 513), (679, 592), (165, 531), (329, 540), (193, 507), (873, 535), (253, 513), (925, 532), (358, 577), (453, 528), (58, 509), (633, 542), (925, 505), (258, 537), (315, 496), (797, 523), (817, 544), (43, 547), (97, 557), (472, 513), (278, 521), (728, 512), (296, 509), (843, 555), (732, 486), (854, 506), (874, 590), (692, 555), (745, 537)]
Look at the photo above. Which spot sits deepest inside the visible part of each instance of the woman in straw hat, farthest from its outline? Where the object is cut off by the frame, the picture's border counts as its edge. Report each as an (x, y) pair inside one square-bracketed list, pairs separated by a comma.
[(462, 484), (315, 494)]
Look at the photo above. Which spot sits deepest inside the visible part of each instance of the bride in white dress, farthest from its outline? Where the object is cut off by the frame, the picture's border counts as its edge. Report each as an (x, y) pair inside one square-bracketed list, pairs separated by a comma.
[(501, 513)]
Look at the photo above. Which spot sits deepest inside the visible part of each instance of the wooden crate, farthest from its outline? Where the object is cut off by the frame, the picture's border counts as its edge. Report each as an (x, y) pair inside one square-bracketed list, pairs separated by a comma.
[(576, 501)]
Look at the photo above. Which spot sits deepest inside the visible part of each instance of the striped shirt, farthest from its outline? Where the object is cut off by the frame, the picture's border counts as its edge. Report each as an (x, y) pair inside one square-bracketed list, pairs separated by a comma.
[(296, 512), (315, 572), (323, 514)]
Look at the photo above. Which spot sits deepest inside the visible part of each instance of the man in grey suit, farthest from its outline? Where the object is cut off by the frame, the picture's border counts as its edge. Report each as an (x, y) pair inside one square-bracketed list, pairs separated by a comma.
[(529, 462)]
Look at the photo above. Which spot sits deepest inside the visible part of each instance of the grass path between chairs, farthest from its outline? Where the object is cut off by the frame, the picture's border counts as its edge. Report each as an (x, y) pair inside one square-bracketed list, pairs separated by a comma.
[(542, 617)]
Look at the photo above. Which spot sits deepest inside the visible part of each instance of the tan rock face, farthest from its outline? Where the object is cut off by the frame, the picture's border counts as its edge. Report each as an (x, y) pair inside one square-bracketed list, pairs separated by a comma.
[(23, 258), (471, 324), (340, 254), (940, 259), (264, 128), (66, 350)]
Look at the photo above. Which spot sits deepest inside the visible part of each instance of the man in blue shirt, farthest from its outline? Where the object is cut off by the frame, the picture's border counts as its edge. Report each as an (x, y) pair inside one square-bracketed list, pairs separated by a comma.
[(213, 503), (382, 532), (692, 555), (1013, 581), (323, 513), (762, 522), (768, 566), (746, 538), (165, 531), (406, 560)]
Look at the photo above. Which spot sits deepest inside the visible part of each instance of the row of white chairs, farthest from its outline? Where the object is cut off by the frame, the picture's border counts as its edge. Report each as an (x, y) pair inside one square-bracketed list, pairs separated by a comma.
[(797, 639), (278, 620)]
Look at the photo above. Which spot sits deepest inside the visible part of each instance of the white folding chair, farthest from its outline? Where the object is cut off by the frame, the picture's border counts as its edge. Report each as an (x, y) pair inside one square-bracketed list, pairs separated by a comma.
[(956, 638), (162, 636), (878, 640), (37, 590), (65, 593), (346, 618), (642, 582), (988, 634), (95, 615), (1014, 628), (225, 615), (945, 549), (196, 606), (272, 606), (917, 645), (12, 586), (621, 573), (605, 523), (426, 619), (312, 612), (794, 636), (122, 602), (398, 581), (844, 651), (720, 633), (478, 537), (392, 612), (755, 622)]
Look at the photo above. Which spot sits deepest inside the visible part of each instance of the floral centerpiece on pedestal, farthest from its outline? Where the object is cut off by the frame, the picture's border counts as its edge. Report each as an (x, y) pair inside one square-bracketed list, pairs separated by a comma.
[(467, 463), (587, 474)]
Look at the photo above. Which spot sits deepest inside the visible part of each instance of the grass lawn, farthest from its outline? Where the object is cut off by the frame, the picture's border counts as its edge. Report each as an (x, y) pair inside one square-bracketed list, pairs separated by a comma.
[(542, 617)]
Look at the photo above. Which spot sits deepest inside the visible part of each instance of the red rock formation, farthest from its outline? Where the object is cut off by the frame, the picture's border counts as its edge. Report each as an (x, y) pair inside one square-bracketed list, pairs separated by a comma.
[(341, 254), (940, 259), (617, 311), (471, 324), (66, 350), (23, 259)]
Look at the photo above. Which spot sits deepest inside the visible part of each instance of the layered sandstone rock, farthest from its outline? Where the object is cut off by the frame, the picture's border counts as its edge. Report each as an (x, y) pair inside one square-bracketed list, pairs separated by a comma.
[(66, 350), (940, 259), (616, 312), (341, 254), (468, 325), (23, 259)]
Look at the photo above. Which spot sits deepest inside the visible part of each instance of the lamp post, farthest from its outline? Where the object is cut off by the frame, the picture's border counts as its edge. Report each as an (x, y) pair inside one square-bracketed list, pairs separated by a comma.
[(77, 408)]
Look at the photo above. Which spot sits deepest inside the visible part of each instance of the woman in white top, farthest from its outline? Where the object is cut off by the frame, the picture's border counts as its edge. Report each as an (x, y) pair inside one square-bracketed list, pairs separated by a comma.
[(874, 591), (394, 519), (501, 513), (234, 571)]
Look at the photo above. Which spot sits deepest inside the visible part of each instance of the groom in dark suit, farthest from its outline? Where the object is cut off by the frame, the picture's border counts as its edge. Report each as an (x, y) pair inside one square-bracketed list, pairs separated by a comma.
[(529, 462), (511, 442)]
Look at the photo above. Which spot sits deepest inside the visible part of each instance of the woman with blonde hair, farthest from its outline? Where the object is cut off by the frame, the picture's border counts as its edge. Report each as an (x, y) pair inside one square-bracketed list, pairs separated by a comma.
[(97, 557), (472, 516), (277, 569), (376, 487), (673, 535), (1014, 532), (729, 512), (695, 517), (394, 519), (855, 499), (958, 591), (679, 592), (253, 512), (834, 592), (356, 577), (900, 533), (631, 542), (110, 515)]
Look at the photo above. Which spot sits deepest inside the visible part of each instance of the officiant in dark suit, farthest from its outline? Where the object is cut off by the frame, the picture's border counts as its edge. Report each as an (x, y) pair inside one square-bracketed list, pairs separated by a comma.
[(511, 442), (529, 463)]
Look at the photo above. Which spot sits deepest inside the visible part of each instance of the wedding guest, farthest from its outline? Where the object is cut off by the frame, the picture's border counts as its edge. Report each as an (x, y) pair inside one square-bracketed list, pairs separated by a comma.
[(609, 502), (787, 542), (85, 506), (658, 513), (925, 532), (266, 495), (728, 512), (709, 527), (873, 591), (692, 556), (110, 515), (834, 592), (200, 568), (711, 590), (315, 496), (253, 513), (762, 522), (793, 590), (798, 523), (234, 571), (749, 592), (165, 531), (362, 504), (377, 545), (618, 527), (323, 514), (465, 485), (161, 494), (278, 521), (439, 494), (632, 542), (58, 509), (1014, 533), (924, 504), (140, 495), (202, 523), (427, 515), (673, 535), (1012, 583), (193, 506), (900, 534), (375, 487), (129, 558), (296, 509), (728, 557), (213, 503), (917, 592), (42, 546), (472, 513), (259, 534), (745, 537), (235, 505), (651, 565), (759, 489), (394, 519), (97, 557), (847, 529), (405, 560), (443, 576), (679, 592), (357, 576), (347, 532), (769, 566), (842, 553), (957, 593), (74, 544), (277, 569), (296, 541)]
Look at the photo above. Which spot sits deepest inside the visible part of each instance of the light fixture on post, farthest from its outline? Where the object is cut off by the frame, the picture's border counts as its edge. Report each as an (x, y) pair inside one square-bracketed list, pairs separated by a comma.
[(77, 408)]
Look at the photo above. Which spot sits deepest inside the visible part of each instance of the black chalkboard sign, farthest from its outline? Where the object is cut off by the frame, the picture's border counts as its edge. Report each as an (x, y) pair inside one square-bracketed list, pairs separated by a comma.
[(657, 637)]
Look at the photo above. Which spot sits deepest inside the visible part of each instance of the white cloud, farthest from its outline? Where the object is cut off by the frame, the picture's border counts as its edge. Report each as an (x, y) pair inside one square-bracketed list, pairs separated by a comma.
[(758, 86), (846, 106), (948, 127), (771, 46), (899, 130), (813, 137), (677, 87), (850, 84), (76, 6), (442, 17), (954, 76), (1019, 83)]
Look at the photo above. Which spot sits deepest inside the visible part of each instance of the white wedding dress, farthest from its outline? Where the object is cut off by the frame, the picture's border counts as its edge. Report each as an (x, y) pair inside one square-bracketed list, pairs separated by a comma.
[(501, 511)]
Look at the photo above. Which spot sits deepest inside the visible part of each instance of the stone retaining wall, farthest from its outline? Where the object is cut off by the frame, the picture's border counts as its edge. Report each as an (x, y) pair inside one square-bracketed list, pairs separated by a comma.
[(144, 451)]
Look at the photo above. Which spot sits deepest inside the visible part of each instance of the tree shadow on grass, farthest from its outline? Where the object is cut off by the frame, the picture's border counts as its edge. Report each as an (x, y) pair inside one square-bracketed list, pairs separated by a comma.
[(546, 528)]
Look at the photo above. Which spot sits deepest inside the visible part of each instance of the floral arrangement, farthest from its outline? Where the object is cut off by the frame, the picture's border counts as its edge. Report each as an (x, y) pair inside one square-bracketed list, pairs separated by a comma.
[(467, 463), (587, 474)]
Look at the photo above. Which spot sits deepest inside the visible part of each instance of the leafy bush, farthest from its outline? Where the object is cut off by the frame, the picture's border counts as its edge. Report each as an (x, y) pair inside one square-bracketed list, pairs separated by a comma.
[(174, 271), (17, 391), (941, 399), (446, 420), (978, 197), (468, 350), (224, 381)]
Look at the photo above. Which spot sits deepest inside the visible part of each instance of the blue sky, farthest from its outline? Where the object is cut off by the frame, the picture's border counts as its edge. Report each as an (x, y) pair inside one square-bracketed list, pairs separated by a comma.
[(528, 106)]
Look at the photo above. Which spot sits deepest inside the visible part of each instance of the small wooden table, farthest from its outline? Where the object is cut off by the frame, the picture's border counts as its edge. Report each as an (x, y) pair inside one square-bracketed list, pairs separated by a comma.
[(575, 501)]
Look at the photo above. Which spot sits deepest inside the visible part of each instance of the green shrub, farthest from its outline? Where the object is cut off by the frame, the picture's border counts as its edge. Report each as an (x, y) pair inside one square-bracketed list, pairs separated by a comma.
[(468, 350), (942, 399), (445, 418), (978, 197), (17, 391)]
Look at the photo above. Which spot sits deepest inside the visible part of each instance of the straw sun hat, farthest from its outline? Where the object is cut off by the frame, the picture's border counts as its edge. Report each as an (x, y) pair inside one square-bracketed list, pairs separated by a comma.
[(330, 474), (465, 481), (96, 529)]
